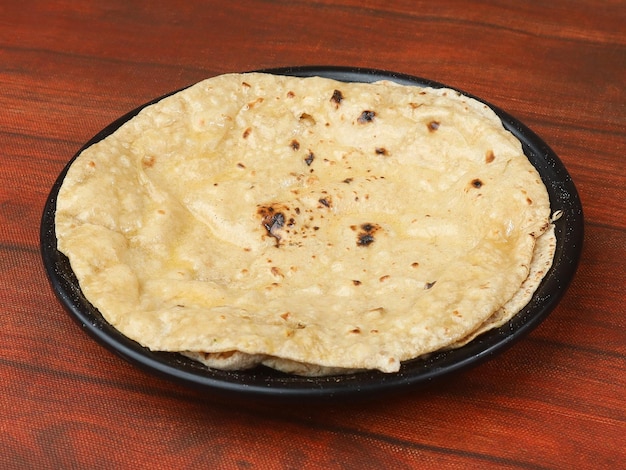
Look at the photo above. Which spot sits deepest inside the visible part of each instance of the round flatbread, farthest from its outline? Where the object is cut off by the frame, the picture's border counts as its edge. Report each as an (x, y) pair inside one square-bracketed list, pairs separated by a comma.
[(303, 221)]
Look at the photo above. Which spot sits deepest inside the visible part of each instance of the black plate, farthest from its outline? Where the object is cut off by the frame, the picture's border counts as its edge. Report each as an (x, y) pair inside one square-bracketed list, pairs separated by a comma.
[(266, 382)]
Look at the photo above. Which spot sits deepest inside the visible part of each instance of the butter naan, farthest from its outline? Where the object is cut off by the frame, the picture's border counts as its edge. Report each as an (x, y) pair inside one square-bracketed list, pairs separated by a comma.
[(307, 224)]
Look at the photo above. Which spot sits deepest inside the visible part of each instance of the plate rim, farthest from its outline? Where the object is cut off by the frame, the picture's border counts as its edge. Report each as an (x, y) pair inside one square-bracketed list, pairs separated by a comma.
[(413, 373)]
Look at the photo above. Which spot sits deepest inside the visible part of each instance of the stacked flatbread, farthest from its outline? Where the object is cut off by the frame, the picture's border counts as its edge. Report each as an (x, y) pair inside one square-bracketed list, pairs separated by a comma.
[(310, 225)]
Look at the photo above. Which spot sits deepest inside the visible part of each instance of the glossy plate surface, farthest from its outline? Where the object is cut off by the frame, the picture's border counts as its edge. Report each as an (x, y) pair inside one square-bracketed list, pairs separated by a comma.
[(267, 382)]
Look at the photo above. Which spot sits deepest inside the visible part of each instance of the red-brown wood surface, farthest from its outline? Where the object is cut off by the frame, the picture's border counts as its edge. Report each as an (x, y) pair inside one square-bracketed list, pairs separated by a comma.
[(557, 399)]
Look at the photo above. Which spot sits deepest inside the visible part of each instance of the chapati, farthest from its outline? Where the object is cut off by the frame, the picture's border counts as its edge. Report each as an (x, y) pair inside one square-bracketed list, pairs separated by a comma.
[(307, 224)]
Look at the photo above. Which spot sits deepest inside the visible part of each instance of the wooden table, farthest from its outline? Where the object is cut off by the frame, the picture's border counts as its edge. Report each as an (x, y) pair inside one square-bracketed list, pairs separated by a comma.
[(557, 399)]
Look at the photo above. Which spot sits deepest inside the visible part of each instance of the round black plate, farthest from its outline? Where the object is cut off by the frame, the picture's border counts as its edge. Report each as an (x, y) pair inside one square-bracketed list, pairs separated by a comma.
[(266, 382)]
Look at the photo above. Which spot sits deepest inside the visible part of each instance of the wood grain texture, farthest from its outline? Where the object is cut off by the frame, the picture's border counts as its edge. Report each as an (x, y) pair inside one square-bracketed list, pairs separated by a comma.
[(557, 399)]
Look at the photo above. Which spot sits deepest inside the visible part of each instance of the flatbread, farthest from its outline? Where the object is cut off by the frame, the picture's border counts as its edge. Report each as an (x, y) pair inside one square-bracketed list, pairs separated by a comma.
[(307, 224)]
